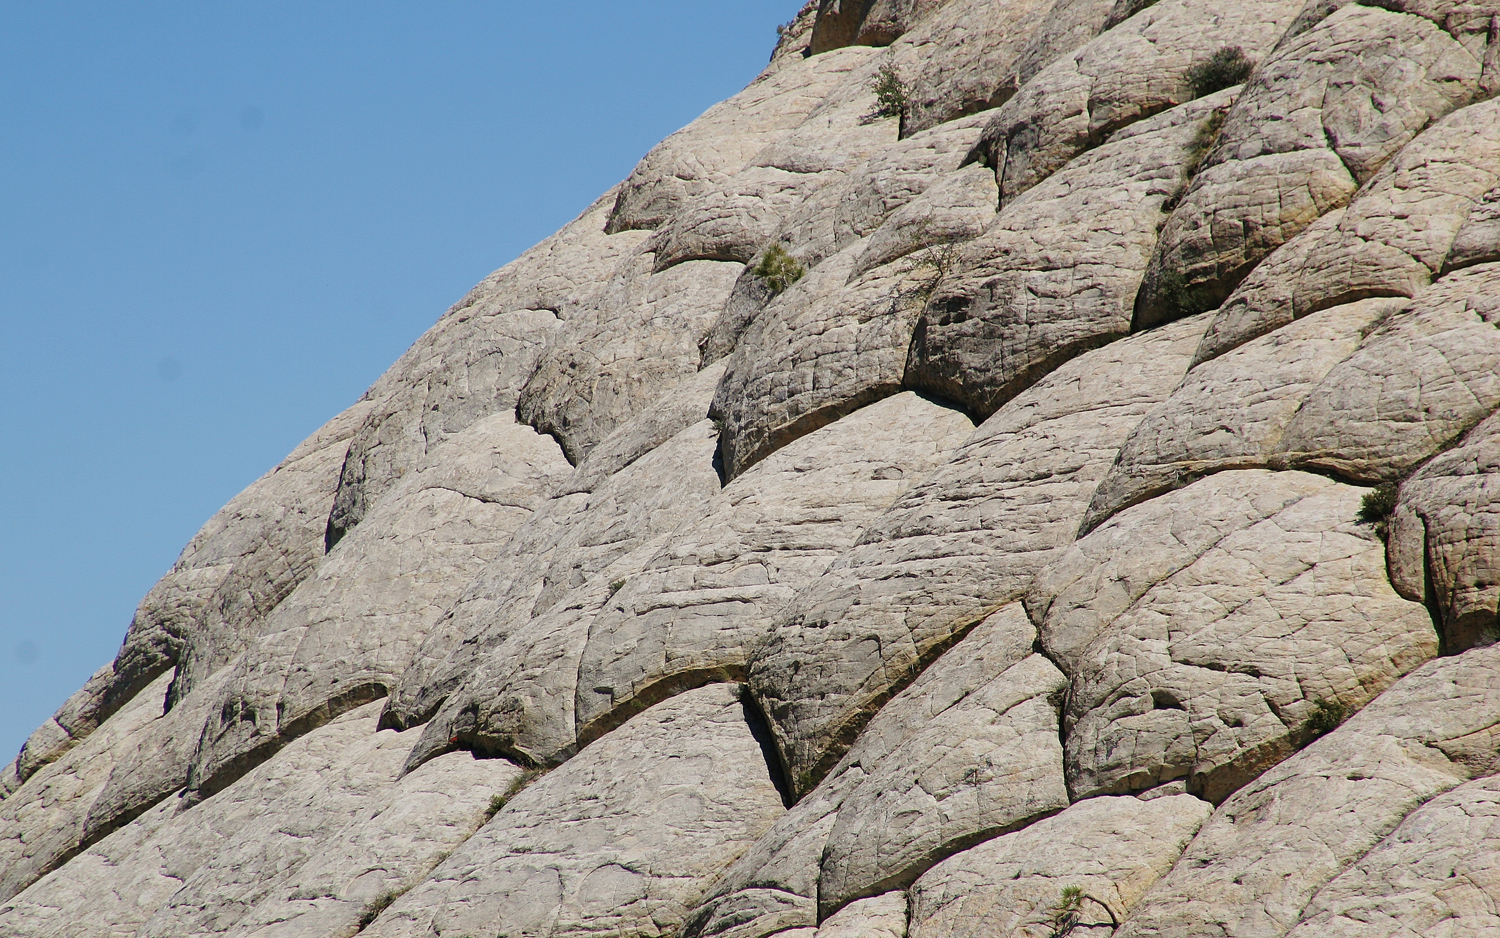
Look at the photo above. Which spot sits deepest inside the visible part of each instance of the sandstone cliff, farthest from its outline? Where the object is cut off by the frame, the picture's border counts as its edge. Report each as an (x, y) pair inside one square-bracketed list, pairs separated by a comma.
[(1058, 494)]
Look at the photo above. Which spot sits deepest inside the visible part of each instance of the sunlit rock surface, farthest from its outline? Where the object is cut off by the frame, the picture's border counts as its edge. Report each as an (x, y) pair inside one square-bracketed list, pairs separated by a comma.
[(1019, 468)]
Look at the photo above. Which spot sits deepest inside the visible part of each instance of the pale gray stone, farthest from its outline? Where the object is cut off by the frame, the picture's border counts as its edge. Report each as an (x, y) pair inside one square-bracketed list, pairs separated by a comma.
[(1232, 412), (1365, 391), (1320, 116), (1445, 538), (964, 542), (318, 831), (42, 823), (1058, 271), (1391, 241), (633, 340), (235, 570), (1267, 851), (565, 544), (345, 636), (1478, 238), (963, 58), (679, 610), (984, 765), (473, 361), (724, 140), (688, 614), (778, 882), (1215, 624), (1132, 71), (622, 839), (1435, 874), (1010, 887)]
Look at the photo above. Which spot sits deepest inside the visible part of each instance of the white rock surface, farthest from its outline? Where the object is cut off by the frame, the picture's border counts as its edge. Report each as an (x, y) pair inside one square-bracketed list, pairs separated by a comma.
[(1113, 849), (1392, 240), (1058, 270), (624, 838), (964, 542), (1319, 117), (695, 618), (1204, 630), (1266, 852)]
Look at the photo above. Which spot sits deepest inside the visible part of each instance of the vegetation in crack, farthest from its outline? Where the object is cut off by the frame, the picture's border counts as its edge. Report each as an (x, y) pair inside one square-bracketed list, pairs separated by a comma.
[(892, 96), (778, 269), (1228, 66)]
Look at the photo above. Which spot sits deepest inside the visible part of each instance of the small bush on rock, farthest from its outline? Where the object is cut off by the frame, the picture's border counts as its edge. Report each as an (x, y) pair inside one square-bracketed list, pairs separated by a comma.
[(778, 269), (891, 99), (1326, 716), (1226, 67), (1378, 504)]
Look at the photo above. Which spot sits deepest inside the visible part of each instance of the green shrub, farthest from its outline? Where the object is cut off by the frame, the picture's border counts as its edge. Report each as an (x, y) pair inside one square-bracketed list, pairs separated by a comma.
[(778, 269), (1228, 66), (1378, 504), (1326, 716), (1064, 915), (890, 93)]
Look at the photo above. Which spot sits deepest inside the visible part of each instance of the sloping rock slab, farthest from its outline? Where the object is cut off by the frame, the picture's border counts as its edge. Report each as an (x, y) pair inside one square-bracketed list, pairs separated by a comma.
[(622, 839), (1438, 872), (472, 363), (1265, 854), (680, 610), (1010, 887), (345, 636), (988, 697), (1204, 630), (1319, 117), (963, 542), (1391, 241), (1365, 391), (1132, 71), (1058, 271), (1445, 538), (695, 605), (568, 541)]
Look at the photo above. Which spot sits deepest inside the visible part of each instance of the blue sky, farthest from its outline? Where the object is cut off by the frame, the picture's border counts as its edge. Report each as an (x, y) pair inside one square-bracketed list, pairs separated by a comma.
[(220, 222)]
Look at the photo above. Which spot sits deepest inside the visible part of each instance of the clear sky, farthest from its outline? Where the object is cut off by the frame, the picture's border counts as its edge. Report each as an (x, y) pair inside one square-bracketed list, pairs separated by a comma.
[(220, 222)]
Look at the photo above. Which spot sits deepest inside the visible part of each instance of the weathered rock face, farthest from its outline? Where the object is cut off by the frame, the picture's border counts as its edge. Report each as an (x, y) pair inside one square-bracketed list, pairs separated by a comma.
[(667, 587)]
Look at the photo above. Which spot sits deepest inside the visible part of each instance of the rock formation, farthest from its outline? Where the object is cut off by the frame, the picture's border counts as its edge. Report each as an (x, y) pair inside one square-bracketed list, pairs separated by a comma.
[(1058, 494)]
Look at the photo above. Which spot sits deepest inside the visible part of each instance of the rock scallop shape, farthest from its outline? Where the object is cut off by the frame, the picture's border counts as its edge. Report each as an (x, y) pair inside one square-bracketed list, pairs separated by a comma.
[(1134, 70), (624, 838), (679, 610), (1435, 872), (1257, 865), (1057, 272), (1315, 121), (349, 632), (959, 545), (1392, 240), (1112, 849), (1366, 392), (1445, 538), (1214, 624), (473, 362), (990, 699)]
